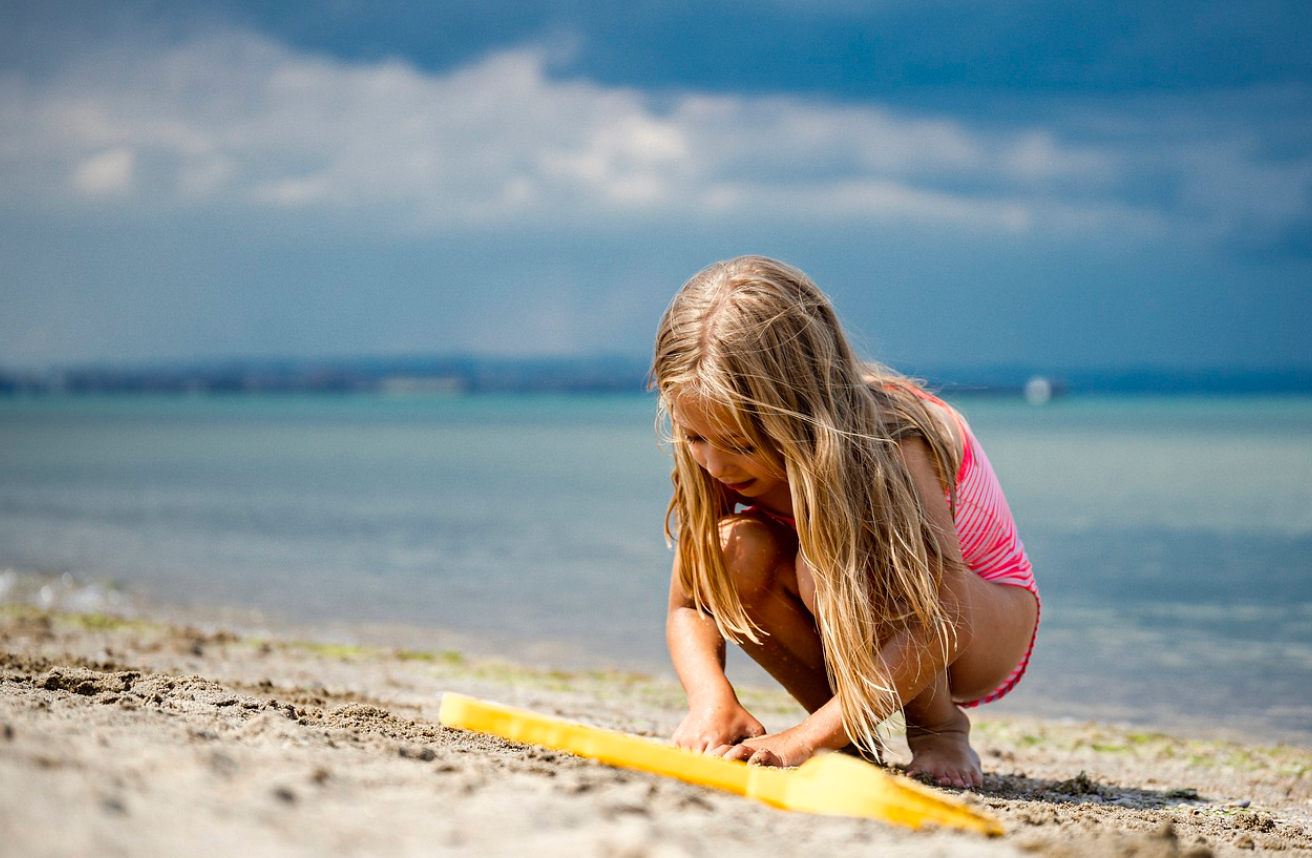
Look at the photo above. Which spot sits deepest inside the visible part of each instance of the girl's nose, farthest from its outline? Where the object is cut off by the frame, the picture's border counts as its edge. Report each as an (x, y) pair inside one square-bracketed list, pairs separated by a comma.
[(715, 461)]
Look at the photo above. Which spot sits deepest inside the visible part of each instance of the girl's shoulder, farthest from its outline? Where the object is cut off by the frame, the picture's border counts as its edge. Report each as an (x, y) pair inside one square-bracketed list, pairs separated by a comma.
[(904, 398), (949, 420)]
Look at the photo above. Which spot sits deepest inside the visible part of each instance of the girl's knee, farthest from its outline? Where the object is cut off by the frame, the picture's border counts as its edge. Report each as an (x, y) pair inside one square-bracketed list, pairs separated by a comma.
[(753, 555)]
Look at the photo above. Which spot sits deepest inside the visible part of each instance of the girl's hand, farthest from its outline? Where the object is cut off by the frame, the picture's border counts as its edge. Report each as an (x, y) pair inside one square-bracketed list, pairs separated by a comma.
[(711, 726), (781, 750)]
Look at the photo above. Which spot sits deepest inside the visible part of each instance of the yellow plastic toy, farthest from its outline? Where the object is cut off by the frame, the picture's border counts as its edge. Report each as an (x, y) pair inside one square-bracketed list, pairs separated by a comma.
[(834, 784)]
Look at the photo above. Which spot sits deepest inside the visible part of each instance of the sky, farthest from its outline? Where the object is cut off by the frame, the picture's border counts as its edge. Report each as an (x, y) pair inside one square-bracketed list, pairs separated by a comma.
[(1036, 183)]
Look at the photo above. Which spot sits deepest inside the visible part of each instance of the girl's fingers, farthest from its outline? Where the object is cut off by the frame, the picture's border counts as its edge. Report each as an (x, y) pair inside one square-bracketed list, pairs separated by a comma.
[(765, 757)]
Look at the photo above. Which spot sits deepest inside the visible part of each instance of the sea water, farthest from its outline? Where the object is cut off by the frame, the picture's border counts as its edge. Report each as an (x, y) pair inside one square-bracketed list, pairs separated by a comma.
[(1171, 536)]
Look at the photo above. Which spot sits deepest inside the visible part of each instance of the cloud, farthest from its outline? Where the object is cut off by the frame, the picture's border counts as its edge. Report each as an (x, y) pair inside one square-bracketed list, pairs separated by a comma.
[(106, 173), (236, 120)]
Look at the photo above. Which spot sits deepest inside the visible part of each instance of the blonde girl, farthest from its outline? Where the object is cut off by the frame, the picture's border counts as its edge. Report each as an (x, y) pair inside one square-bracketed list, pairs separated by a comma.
[(838, 523)]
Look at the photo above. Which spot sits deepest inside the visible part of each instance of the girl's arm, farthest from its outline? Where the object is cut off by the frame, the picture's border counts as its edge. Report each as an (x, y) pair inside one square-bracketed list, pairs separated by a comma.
[(715, 720), (912, 665)]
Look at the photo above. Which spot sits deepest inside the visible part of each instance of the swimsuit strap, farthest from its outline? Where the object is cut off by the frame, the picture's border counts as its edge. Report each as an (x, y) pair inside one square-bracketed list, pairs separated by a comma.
[(956, 416), (779, 517), (967, 439)]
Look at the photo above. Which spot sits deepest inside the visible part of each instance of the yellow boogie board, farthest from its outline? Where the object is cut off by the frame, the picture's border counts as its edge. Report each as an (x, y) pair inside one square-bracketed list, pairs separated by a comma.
[(834, 784)]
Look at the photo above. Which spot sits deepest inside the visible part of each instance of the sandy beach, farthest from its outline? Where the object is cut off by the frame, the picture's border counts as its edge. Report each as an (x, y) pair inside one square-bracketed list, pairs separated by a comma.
[(150, 737)]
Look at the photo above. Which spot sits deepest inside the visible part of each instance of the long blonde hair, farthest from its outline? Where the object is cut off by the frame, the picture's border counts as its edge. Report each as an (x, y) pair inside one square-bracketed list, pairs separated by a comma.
[(758, 339)]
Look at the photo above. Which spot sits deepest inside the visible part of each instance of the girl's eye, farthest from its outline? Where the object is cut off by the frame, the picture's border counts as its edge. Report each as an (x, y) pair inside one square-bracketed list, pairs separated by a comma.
[(745, 450)]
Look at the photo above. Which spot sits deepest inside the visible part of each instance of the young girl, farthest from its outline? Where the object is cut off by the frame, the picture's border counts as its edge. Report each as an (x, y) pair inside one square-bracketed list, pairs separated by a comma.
[(838, 523)]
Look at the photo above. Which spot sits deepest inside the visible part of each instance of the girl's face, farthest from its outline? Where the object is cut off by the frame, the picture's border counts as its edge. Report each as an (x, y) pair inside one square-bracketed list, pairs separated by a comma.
[(726, 455)]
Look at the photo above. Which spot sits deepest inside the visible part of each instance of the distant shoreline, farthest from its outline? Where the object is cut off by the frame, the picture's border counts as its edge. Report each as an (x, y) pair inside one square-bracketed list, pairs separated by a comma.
[(599, 374)]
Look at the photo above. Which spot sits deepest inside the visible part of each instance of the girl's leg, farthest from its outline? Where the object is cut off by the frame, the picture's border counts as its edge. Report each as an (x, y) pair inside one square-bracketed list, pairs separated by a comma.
[(995, 623), (938, 734), (761, 556)]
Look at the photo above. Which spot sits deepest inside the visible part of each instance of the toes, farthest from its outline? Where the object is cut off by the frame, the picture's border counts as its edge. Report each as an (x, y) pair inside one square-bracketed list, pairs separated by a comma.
[(965, 779), (953, 778)]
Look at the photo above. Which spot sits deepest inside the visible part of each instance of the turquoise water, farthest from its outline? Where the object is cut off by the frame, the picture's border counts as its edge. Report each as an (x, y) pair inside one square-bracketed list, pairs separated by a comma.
[(1171, 536)]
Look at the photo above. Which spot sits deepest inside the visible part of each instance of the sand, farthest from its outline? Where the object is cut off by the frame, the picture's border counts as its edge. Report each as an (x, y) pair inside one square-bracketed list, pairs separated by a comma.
[(155, 738)]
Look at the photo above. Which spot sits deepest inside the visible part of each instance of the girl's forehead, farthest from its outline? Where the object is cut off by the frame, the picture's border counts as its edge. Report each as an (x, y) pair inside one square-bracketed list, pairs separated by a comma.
[(704, 415)]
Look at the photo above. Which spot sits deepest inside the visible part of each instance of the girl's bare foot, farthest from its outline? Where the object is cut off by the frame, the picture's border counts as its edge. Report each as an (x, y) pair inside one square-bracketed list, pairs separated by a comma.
[(942, 752)]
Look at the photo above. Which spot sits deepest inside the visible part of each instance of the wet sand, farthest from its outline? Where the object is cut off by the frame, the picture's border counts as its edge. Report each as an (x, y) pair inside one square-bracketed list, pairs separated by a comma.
[(150, 737)]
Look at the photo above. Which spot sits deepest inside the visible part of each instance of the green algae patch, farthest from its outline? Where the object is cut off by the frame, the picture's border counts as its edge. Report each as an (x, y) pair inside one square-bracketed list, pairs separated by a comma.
[(1147, 745)]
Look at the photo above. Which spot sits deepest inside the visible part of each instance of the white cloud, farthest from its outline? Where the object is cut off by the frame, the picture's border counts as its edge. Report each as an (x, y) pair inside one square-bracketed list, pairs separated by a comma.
[(293, 191), (239, 120), (106, 173), (1036, 155)]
